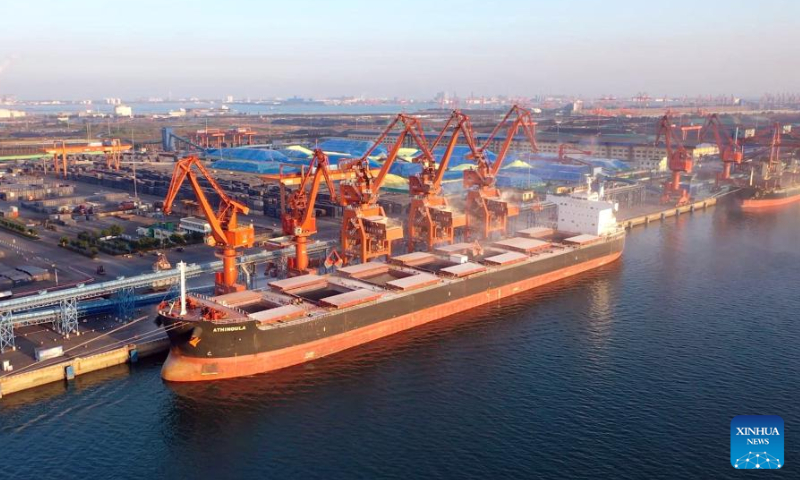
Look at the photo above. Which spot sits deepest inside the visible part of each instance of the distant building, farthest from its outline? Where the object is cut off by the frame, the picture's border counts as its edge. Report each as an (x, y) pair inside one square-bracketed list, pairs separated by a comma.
[(652, 163), (160, 230), (6, 113), (195, 225), (123, 111)]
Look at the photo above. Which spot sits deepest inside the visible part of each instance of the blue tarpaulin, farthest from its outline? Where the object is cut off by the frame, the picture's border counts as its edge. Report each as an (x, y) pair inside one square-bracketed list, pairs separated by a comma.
[(251, 154), (353, 148), (253, 167), (459, 156)]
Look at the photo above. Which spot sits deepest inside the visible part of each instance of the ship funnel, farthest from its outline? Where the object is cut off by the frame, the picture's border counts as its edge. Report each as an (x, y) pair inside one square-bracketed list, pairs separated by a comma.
[(182, 269)]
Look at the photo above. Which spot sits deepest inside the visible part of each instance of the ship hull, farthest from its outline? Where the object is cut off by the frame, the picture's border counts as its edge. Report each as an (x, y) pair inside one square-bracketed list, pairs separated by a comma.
[(771, 200), (235, 353)]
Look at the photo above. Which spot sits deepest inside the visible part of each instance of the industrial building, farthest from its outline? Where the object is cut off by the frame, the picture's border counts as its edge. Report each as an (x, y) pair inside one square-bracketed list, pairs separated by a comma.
[(123, 111), (195, 225)]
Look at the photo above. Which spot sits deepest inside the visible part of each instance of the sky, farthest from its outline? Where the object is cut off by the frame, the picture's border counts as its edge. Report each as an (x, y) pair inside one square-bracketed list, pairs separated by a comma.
[(91, 49)]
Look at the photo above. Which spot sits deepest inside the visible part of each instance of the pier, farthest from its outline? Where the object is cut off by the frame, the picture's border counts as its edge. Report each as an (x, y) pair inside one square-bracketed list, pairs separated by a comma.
[(94, 324)]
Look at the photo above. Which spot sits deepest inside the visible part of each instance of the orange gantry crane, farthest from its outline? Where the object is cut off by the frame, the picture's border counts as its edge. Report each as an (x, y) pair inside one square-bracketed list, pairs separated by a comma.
[(685, 129), (678, 160), (299, 220), (61, 150), (226, 234), (730, 152), (486, 210), (431, 220), (366, 231)]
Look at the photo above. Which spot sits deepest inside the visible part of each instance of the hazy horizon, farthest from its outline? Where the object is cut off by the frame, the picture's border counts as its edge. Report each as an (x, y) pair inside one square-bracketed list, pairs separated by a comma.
[(88, 49)]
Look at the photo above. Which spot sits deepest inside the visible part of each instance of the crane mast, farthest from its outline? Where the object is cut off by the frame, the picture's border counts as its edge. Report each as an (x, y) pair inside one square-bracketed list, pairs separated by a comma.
[(226, 234), (678, 160), (431, 220), (730, 152), (299, 220), (366, 231), (486, 210)]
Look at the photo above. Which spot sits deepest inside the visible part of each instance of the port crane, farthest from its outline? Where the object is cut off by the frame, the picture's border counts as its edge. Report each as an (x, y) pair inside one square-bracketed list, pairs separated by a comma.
[(226, 234), (431, 220), (61, 150), (678, 160), (299, 220), (366, 231), (730, 152), (565, 148), (486, 210)]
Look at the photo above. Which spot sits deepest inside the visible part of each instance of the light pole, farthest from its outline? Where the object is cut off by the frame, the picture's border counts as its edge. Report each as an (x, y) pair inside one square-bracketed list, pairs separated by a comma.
[(55, 272), (133, 161)]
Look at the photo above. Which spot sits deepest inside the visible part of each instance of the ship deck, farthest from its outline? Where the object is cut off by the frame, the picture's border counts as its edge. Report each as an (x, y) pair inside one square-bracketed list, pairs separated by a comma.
[(300, 299)]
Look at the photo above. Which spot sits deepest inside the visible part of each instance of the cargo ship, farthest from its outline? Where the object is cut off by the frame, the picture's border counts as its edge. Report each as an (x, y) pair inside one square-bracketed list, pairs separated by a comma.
[(303, 318), (768, 199), (771, 185)]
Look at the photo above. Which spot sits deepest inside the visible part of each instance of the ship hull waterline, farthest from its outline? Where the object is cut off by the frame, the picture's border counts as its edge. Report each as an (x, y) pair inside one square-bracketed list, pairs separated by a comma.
[(761, 204), (180, 367)]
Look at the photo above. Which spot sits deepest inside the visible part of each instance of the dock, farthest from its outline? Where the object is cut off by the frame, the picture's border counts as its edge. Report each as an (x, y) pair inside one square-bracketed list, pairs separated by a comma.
[(102, 343), (647, 214)]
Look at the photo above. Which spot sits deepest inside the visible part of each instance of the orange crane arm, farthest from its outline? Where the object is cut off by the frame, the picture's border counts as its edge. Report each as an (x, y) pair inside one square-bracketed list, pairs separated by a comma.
[(678, 158), (321, 161), (228, 209), (523, 120), (462, 127), (715, 125), (448, 153), (528, 126), (429, 181), (369, 186), (564, 147)]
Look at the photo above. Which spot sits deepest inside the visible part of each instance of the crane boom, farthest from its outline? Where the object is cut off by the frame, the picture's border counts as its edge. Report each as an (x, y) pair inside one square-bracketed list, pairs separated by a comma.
[(485, 207), (227, 235), (367, 185), (366, 231), (429, 180), (563, 148), (299, 220), (430, 219), (730, 152)]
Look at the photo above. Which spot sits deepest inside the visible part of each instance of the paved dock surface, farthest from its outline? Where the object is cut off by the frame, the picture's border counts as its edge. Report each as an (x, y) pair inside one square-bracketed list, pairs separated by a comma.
[(98, 335)]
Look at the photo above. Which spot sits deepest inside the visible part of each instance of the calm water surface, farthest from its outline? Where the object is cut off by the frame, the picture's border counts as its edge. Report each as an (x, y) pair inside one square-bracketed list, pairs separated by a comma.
[(635, 371)]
